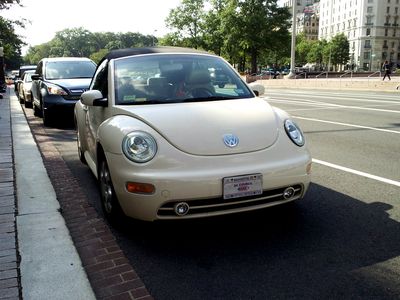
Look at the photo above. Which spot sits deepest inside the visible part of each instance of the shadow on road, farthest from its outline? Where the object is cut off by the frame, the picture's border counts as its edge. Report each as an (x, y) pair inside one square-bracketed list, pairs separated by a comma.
[(315, 249)]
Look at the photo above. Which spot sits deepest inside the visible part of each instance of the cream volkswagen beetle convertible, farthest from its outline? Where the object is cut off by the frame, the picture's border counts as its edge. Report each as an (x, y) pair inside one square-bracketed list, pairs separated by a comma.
[(175, 133)]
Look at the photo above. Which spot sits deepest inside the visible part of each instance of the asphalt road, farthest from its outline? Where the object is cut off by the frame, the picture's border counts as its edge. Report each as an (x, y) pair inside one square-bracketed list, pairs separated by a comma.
[(341, 242)]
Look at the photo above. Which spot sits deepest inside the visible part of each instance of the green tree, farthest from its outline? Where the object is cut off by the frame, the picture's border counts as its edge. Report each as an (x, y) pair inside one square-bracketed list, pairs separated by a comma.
[(316, 52), (336, 52), (303, 48), (340, 50), (81, 42), (5, 4), (97, 56), (11, 43), (74, 41), (213, 36), (187, 20), (256, 25)]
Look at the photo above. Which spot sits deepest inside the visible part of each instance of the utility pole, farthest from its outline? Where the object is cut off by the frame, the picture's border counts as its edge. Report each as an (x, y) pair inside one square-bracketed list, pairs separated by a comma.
[(2, 77), (292, 73)]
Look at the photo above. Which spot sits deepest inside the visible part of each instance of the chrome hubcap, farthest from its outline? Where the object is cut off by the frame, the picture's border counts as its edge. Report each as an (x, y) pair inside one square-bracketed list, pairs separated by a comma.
[(106, 188)]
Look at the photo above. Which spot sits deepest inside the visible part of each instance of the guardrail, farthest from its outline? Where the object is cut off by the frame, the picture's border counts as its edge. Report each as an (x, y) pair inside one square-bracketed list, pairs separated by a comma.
[(380, 74), (299, 74), (347, 73), (322, 74)]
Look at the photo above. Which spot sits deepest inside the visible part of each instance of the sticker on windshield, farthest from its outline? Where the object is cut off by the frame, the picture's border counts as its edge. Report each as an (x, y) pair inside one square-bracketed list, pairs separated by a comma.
[(129, 97), (239, 91)]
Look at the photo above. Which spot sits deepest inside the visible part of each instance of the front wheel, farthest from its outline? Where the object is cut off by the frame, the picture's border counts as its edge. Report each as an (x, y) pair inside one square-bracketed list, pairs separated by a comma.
[(109, 201), (46, 117), (79, 145)]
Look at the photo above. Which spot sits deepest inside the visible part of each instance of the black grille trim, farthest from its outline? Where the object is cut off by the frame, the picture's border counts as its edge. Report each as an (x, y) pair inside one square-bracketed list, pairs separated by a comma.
[(215, 205)]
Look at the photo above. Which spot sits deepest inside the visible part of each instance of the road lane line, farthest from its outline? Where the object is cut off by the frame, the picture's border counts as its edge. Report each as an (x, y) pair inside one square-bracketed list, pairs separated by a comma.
[(348, 125), (363, 174), (301, 102), (343, 97)]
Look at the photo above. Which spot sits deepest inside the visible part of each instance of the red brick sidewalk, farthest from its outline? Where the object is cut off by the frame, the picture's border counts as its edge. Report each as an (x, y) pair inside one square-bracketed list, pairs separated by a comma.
[(9, 270), (109, 271)]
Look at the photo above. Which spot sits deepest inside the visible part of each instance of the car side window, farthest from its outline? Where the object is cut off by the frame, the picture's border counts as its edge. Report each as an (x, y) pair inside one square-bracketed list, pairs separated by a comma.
[(100, 81)]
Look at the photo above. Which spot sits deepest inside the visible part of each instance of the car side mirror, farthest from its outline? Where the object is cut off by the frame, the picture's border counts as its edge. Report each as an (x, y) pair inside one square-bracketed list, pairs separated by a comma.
[(35, 77), (257, 88), (93, 98)]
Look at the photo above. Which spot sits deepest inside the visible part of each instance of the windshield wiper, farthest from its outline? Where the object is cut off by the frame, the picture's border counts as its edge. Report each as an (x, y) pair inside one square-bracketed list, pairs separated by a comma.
[(213, 98)]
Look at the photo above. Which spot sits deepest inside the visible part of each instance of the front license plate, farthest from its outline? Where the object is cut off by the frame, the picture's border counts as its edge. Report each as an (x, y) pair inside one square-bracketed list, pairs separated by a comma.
[(243, 186)]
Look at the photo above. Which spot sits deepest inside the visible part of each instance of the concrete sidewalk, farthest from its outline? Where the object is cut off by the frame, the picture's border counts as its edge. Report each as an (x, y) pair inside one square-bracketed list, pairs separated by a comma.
[(38, 259), (362, 84)]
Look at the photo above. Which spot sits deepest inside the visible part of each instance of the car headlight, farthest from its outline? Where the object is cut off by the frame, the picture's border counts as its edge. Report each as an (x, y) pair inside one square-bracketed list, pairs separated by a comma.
[(139, 147), (53, 89), (294, 132)]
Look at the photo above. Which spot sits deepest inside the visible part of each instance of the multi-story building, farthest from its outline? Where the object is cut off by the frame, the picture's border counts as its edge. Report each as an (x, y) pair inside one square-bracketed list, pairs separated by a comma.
[(300, 4), (308, 21), (371, 26)]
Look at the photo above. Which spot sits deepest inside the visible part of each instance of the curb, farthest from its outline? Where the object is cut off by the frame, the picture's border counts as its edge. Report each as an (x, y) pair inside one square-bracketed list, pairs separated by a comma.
[(109, 271)]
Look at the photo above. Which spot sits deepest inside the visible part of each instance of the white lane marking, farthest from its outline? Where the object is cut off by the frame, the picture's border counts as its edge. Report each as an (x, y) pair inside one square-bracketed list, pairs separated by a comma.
[(331, 105), (363, 174), (344, 97), (348, 125)]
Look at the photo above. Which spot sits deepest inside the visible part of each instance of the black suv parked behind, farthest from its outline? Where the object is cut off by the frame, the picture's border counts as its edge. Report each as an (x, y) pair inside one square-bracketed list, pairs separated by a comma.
[(57, 85)]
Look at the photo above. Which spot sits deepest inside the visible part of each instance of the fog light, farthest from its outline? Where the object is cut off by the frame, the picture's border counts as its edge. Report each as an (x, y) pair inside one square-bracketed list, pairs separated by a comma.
[(288, 193), (182, 208), (140, 188)]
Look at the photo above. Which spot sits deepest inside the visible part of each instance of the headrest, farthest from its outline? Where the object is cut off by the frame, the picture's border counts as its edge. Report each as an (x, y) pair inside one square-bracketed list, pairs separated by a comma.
[(199, 76), (157, 81)]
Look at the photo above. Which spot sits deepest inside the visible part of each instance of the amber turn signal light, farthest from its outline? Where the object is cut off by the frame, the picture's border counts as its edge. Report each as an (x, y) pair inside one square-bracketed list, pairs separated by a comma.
[(140, 188)]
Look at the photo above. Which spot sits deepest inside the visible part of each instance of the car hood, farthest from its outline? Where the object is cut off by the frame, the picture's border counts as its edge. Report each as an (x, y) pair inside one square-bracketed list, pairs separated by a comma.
[(199, 127), (73, 84)]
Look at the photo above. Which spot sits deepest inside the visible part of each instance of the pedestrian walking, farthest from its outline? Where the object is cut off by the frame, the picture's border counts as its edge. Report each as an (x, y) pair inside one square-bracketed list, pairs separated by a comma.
[(386, 70)]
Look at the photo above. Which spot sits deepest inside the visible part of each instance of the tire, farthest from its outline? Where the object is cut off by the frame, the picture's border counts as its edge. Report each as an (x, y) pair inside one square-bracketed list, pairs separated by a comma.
[(35, 110), (28, 104), (46, 117), (78, 143), (109, 202)]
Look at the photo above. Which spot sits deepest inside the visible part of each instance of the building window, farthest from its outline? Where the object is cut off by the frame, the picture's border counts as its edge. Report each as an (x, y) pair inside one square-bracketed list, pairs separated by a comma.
[(388, 9), (367, 44), (386, 31), (384, 55), (369, 9), (366, 55), (368, 33)]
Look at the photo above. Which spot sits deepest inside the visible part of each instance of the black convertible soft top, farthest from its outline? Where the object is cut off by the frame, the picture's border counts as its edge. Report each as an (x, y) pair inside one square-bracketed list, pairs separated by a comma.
[(136, 51)]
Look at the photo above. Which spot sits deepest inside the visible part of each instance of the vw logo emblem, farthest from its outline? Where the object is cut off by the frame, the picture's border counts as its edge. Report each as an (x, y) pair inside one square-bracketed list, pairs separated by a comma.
[(231, 140)]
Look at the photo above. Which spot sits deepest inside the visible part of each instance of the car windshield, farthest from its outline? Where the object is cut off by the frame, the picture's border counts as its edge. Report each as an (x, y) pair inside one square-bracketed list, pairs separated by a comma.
[(69, 69), (28, 77), (171, 78)]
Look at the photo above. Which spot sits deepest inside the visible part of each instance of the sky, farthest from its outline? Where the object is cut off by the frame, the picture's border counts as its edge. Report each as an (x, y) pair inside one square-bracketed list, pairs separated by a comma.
[(49, 16)]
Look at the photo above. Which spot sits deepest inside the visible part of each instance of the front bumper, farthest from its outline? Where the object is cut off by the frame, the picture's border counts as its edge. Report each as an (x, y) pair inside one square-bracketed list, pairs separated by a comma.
[(57, 104), (198, 181)]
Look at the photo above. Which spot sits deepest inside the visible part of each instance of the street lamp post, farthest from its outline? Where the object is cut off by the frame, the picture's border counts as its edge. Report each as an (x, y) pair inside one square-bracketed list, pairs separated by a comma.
[(2, 77), (292, 73)]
